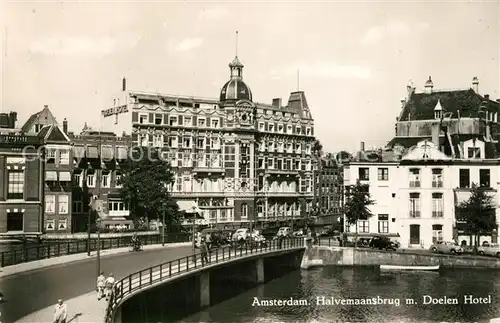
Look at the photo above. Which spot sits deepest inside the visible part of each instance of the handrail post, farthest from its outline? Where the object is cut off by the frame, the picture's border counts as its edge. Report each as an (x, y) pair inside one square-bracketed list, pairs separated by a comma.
[(216, 255), (130, 284), (140, 279), (170, 268), (151, 275), (161, 270), (187, 263)]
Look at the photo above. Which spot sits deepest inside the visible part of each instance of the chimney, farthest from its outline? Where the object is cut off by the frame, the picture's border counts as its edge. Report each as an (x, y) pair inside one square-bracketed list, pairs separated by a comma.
[(428, 86), (45, 106), (12, 120), (362, 148), (435, 133), (409, 89), (277, 102), (124, 84), (475, 84), (487, 97), (65, 126), (403, 103)]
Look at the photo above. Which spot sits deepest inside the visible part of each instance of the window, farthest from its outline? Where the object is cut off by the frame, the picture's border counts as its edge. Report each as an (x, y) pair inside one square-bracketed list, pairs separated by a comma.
[(158, 141), (437, 233), (186, 142), (215, 123), (51, 155), (173, 121), (188, 121), (158, 119), (289, 129), (383, 223), (363, 226), (172, 142), (105, 180), (201, 122), (414, 177), (484, 178), (437, 177), (244, 210), (270, 147), (474, 152), (280, 128), (62, 201), (64, 157), (118, 177), (15, 221), (298, 130), (50, 203), (308, 131), (62, 224), (50, 225), (143, 118), (15, 190), (117, 206), (77, 205), (464, 177), (414, 205), (143, 140), (215, 143), (200, 143), (437, 205), (90, 180), (364, 174), (261, 126), (383, 174)]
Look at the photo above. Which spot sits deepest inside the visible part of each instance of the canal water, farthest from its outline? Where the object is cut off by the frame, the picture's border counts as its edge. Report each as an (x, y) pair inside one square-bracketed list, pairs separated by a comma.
[(362, 283)]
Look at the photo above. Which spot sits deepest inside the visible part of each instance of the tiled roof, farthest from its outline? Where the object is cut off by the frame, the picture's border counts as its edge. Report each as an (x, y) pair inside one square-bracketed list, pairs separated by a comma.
[(421, 106), (29, 123)]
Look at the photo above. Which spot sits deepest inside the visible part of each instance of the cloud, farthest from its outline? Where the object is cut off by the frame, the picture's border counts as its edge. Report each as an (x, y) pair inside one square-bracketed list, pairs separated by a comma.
[(81, 46), (330, 70), (213, 13), (391, 30), (189, 44)]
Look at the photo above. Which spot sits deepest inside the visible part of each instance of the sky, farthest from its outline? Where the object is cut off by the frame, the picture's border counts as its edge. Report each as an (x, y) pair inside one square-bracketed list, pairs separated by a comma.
[(354, 59)]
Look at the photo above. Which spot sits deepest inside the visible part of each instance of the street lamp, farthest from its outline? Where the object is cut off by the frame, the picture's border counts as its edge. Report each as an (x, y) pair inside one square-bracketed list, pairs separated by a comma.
[(163, 229), (98, 227)]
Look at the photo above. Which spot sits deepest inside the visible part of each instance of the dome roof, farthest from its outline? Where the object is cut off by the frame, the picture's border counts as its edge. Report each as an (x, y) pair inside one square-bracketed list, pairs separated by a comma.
[(235, 89)]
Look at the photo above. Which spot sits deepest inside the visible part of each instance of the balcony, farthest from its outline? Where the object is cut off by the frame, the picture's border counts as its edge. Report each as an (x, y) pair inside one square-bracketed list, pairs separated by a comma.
[(218, 169), (277, 193), (414, 183), (437, 184), (198, 194), (282, 172), (414, 214), (437, 214)]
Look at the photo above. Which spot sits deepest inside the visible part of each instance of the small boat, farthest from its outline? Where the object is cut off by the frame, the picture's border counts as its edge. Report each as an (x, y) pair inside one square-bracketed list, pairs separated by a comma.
[(397, 267)]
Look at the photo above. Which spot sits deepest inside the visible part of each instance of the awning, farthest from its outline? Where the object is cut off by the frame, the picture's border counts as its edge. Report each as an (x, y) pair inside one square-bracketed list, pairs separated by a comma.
[(64, 177), (189, 207), (121, 153), (92, 152), (51, 176), (78, 151), (107, 153)]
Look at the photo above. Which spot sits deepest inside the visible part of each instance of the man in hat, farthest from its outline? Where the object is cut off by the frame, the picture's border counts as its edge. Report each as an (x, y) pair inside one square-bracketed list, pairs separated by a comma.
[(60, 312)]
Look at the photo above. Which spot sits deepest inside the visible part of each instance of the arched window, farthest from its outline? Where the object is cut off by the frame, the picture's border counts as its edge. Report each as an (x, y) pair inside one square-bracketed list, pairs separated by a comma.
[(244, 210)]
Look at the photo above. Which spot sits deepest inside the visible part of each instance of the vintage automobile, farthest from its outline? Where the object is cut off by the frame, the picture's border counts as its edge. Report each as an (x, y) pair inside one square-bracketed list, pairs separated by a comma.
[(284, 232), (448, 247), (489, 250), (382, 242)]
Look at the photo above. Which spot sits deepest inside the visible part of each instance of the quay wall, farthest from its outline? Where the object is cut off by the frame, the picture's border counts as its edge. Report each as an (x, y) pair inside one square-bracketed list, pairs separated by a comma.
[(341, 256)]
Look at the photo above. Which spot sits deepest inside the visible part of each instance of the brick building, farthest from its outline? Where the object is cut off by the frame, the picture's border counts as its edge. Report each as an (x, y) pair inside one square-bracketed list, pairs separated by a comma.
[(237, 160), (21, 179), (328, 193)]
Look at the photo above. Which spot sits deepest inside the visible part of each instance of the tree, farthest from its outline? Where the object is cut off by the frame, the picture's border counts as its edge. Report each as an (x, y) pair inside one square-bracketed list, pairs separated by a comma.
[(478, 213), (356, 205), (317, 149), (145, 187)]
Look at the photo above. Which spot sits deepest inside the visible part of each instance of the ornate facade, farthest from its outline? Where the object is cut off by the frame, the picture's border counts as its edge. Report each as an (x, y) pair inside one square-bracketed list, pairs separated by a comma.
[(238, 160)]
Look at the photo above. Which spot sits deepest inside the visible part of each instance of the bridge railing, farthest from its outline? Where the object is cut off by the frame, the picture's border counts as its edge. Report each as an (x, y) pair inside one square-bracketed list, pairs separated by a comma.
[(57, 249), (170, 269)]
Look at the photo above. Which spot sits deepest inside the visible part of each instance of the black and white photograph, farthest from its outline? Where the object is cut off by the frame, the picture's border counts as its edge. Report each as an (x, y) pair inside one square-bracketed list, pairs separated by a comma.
[(249, 161)]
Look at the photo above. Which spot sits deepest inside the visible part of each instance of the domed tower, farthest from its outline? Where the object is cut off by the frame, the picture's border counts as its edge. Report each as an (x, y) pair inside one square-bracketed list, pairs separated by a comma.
[(235, 89)]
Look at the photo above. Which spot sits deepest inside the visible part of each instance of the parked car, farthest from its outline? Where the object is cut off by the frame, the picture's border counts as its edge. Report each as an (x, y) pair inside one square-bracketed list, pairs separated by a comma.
[(284, 231), (448, 247), (382, 242), (240, 234), (489, 250), (299, 233)]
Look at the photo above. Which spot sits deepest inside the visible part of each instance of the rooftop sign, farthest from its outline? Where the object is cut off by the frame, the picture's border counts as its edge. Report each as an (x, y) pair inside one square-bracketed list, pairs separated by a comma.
[(115, 111)]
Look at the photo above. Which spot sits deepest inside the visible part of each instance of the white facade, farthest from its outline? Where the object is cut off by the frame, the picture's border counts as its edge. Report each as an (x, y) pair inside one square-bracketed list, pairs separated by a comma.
[(416, 198)]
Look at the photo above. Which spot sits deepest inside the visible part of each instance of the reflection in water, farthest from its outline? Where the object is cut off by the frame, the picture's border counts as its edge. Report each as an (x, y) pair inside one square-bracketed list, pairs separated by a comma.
[(362, 283)]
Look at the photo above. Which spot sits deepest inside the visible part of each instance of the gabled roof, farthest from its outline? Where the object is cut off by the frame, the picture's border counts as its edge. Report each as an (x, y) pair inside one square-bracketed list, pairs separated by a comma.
[(53, 133), (425, 150), (28, 125), (420, 106)]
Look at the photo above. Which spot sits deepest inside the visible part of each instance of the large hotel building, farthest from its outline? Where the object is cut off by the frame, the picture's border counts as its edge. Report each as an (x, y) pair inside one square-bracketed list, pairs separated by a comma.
[(235, 160)]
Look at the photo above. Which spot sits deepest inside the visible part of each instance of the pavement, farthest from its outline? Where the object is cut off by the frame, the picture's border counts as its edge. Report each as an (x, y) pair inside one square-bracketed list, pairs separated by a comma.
[(86, 308), (34, 286)]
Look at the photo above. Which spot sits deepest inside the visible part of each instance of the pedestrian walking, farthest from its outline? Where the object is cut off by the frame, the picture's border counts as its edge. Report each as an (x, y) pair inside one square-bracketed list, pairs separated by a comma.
[(204, 252), (101, 284), (60, 312), (110, 283)]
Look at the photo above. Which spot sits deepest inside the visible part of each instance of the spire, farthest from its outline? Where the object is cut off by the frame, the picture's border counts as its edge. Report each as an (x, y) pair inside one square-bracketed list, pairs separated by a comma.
[(236, 44), (298, 80)]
